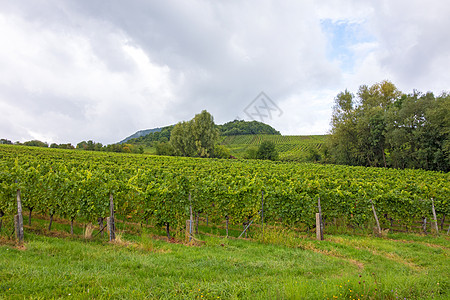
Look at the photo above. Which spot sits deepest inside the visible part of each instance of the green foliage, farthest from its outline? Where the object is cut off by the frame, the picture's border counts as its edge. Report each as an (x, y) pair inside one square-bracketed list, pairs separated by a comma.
[(267, 151), (93, 146), (165, 148), (384, 128), (251, 153), (5, 142), (314, 155), (233, 128), (62, 146), (36, 143), (220, 151), (196, 137), (181, 139), (153, 138), (89, 145), (77, 184), (240, 127), (205, 134)]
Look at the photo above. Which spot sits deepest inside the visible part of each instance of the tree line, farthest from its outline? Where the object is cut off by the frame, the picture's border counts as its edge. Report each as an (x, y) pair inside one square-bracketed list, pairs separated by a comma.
[(84, 145), (236, 127), (382, 127)]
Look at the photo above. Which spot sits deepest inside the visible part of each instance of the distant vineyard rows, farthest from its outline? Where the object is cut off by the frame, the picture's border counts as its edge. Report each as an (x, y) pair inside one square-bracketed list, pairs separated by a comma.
[(289, 147)]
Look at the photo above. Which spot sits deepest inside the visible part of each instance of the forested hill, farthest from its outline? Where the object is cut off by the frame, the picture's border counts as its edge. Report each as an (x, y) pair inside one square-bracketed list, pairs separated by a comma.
[(236, 127), (140, 133), (239, 127)]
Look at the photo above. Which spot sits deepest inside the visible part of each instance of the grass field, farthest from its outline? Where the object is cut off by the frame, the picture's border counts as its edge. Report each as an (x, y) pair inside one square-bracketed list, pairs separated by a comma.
[(284, 264)]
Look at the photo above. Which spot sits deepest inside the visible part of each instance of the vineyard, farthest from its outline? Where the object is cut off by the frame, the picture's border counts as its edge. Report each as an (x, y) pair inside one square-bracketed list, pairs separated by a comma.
[(289, 147), (78, 185)]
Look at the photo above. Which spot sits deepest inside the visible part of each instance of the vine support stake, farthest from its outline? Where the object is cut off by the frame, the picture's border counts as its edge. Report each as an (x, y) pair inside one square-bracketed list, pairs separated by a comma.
[(424, 225), (320, 232), (434, 217), (226, 218), (191, 219), (110, 221), (318, 229), (245, 229), (262, 212), (376, 218), (18, 219)]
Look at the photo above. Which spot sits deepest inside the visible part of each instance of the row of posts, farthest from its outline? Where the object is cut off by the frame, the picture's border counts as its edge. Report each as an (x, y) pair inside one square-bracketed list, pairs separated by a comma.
[(319, 222), (18, 220)]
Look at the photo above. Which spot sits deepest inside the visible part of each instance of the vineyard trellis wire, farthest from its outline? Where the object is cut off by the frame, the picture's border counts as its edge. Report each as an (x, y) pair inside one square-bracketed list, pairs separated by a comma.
[(77, 185)]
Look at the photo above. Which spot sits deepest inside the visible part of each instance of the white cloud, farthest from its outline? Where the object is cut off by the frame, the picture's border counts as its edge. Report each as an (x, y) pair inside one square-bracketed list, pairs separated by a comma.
[(80, 70), (57, 86)]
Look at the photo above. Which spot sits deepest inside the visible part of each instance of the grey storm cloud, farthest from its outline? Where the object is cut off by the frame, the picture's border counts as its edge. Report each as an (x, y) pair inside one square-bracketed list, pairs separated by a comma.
[(78, 70)]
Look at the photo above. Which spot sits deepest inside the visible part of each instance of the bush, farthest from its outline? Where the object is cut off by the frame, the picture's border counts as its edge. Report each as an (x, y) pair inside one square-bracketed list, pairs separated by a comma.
[(267, 151), (220, 151)]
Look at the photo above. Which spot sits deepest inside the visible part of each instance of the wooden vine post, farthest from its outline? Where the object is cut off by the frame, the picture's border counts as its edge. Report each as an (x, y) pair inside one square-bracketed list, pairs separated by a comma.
[(227, 218), (318, 231), (434, 217), (262, 213), (319, 223), (424, 225), (110, 221), (190, 222), (376, 218), (18, 219)]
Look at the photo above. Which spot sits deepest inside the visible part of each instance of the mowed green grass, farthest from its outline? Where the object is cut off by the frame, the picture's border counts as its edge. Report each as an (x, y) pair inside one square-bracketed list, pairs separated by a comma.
[(282, 265)]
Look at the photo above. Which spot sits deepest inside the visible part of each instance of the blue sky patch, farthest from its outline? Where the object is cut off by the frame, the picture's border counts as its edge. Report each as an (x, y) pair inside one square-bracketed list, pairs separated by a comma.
[(342, 36)]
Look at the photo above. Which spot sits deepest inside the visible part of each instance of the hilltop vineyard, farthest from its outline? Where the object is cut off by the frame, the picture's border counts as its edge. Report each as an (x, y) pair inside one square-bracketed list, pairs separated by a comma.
[(77, 185)]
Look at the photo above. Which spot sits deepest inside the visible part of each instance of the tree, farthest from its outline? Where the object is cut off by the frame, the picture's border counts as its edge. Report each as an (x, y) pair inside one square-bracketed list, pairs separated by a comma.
[(181, 139), (36, 143), (196, 137), (418, 132), (343, 132), (239, 127), (5, 141), (205, 134), (384, 128), (267, 150)]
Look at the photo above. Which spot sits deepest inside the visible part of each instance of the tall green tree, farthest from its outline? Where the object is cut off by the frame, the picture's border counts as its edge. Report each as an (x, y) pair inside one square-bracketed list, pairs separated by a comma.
[(182, 140), (418, 132), (382, 127), (343, 131), (205, 134), (196, 137)]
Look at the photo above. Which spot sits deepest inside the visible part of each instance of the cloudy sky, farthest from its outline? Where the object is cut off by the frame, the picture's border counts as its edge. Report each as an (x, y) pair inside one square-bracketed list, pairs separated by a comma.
[(101, 70)]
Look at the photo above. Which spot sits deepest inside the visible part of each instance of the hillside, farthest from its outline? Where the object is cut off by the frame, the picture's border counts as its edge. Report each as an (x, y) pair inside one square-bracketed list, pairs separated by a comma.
[(240, 127), (289, 147), (239, 136), (147, 138), (140, 133)]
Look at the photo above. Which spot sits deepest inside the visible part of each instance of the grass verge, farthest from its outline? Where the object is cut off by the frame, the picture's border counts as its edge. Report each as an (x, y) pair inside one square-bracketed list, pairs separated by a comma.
[(282, 264)]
